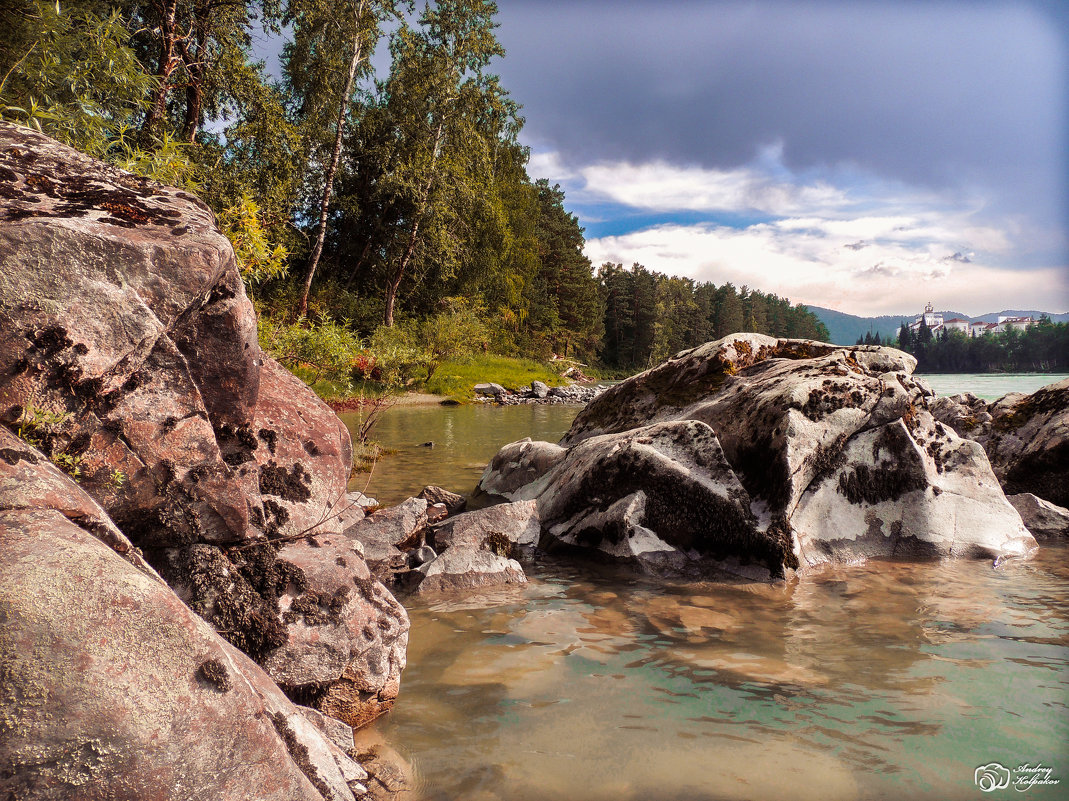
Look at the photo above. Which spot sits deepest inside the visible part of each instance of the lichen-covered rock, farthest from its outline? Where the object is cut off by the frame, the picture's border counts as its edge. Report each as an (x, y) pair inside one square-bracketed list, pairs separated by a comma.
[(346, 636), (99, 270), (758, 456), (516, 465), (518, 522), (1043, 519), (908, 494), (1026, 437), (111, 688), (693, 375), (29, 481), (1028, 443), (128, 351)]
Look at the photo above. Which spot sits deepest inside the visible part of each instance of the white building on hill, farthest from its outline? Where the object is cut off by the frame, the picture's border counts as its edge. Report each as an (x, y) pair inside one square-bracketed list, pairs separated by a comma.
[(936, 324), (929, 318)]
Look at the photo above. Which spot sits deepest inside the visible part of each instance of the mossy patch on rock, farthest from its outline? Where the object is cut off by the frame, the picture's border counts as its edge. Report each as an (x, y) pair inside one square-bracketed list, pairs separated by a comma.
[(214, 673), (294, 485)]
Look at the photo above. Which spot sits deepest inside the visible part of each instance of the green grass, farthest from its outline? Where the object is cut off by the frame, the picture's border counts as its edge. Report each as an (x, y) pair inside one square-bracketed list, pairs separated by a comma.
[(337, 391), (458, 379)]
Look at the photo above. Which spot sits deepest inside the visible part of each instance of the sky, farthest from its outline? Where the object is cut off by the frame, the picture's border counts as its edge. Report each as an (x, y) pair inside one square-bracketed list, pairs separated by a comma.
[(862, 155)]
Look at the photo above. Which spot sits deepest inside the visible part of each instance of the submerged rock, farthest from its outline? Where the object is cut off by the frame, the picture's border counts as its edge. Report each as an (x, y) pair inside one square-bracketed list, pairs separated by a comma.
[(755, 457)]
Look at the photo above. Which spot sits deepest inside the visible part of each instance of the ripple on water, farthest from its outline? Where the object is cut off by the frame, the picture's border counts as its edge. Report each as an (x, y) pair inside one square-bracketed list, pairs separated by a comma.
[(879, 680)]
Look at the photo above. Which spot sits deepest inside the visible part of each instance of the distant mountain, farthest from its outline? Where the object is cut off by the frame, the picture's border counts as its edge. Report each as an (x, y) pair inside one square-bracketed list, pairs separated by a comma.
[(845, 329)]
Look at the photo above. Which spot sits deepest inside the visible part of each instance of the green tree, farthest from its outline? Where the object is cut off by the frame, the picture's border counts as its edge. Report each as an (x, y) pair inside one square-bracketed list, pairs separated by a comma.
[(328, 35)]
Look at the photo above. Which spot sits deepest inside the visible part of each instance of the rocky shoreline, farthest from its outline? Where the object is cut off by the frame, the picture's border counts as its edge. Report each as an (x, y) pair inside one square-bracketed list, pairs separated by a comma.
[(538, 392), (193, 604)]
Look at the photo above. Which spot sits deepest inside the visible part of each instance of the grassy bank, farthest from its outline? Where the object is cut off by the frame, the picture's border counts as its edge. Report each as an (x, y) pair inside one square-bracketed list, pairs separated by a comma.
[(457, 379)]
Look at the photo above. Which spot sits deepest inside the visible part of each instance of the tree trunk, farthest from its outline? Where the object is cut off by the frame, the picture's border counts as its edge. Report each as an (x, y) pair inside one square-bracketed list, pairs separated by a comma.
[(413, 237), (166, 64), (332, 170)]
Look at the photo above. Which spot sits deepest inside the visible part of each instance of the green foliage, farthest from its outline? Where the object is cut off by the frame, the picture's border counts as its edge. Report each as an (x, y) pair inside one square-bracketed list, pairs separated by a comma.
[(71, 74), (115, 479), (401, 358), (454, 333), (43, 429), (1042, 347), (324, 350), (257, 259)]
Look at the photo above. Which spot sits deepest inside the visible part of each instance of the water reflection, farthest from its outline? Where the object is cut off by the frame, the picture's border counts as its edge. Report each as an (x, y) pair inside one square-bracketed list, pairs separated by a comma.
[(465, 438), (872, 681)]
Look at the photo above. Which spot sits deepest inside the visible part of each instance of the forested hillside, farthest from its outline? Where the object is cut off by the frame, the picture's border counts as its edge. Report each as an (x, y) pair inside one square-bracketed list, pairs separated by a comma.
[(1041, 347), (382, 217)]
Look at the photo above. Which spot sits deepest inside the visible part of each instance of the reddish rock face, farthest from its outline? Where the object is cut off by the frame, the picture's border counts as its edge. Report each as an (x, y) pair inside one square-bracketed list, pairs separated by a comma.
[(128, 352), (123, 693)]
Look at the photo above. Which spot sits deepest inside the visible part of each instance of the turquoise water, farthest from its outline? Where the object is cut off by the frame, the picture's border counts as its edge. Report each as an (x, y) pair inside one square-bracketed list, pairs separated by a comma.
[(878, 681), (990, 386)]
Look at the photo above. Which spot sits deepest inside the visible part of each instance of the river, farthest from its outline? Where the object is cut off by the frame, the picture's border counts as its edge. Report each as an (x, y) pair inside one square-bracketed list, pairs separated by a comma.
[(885, 680)]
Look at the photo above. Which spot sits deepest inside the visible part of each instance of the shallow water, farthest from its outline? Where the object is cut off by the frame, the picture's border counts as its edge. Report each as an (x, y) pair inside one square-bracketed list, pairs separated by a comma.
[(885, 680), (465, 438)]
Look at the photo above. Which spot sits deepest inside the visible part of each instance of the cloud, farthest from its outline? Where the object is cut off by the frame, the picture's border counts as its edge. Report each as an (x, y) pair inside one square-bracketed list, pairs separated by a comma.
[(815, 264), (943, 95), (660, 186)]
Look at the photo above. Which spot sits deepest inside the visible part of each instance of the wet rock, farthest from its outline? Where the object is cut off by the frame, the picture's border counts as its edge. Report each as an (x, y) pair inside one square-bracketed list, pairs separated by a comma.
[(454, 502), (390, 776), (422, 555), (465, 568), (518, 523), (757, 457), (114, 689), (1043, 519)]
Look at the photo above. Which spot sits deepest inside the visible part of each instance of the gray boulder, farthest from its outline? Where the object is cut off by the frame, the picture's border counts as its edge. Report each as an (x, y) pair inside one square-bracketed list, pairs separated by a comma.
[(1045, 520), (1026, 437), (489, 389), (539, 389), (464, 568), (453, 502), (758, 456), (518, 523), (1028, 443)]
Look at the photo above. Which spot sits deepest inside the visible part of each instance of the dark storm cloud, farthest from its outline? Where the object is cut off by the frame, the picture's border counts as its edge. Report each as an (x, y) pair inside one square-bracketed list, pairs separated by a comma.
[(937, 94)]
